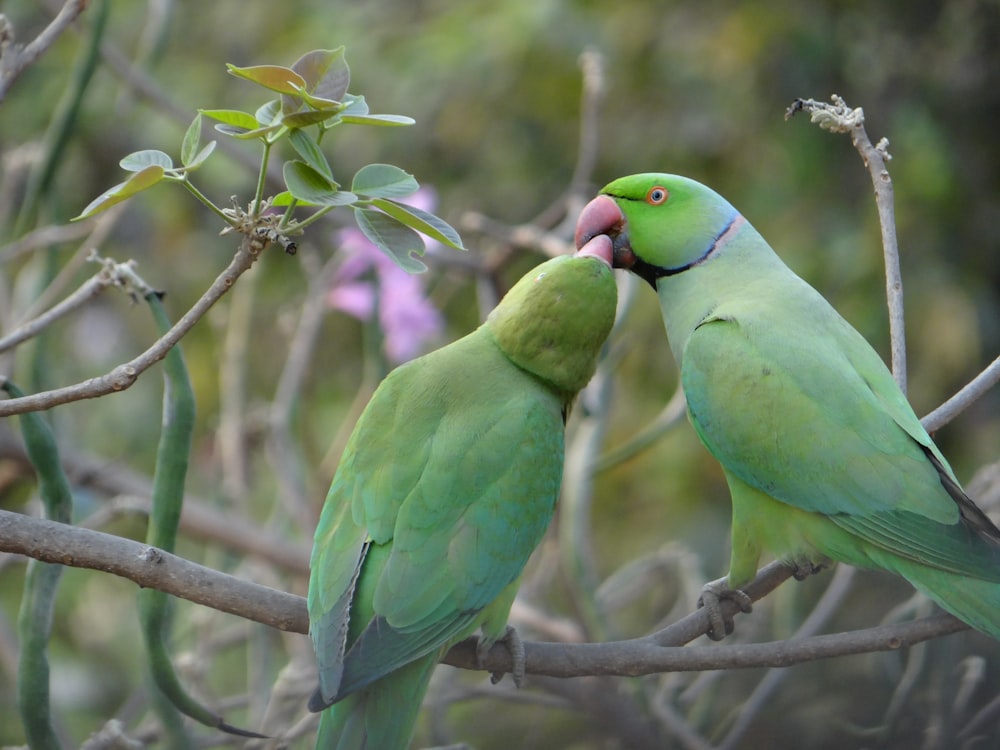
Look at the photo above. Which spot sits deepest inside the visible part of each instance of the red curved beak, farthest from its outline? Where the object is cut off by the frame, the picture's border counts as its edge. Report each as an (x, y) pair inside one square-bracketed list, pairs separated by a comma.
[(600, 216)]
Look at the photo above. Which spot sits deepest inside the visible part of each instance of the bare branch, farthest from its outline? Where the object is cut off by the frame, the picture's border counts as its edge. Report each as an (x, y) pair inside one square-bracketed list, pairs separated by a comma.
[(70, 545), (958, 403), (53, 234), (640, 657), (151, 568), (839, 118), (125, 375), (111, 274), (16, 60), (86, 292)]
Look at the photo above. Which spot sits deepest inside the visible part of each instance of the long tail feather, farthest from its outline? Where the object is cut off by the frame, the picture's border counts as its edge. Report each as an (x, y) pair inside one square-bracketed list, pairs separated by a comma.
[(380, 717)]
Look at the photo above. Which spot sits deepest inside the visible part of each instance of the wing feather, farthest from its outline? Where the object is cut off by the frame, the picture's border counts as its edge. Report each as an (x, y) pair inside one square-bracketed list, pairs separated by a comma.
[(812, 417), (455, 487)]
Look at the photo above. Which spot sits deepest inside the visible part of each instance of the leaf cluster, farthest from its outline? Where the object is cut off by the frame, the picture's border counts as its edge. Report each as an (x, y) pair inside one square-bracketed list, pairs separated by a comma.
[(312, 99)]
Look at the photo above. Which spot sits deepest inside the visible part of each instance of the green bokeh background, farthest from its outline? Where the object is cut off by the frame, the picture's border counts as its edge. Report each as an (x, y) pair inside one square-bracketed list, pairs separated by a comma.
[(698, 88)]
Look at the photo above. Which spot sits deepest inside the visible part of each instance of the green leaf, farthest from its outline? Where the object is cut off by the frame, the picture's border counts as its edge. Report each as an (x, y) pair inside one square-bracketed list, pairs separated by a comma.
[(325, 78), (384, 181), (396, 240), (138, 182), (284, 198), (192, 141), (305, 182), (269, 112), (308, 185), (354, 105), (246, 135), (309, 117), (326, 73), (242, 125), (316, 102), (422, 221), (273, 77), (307, 147), (384, 120), (233, 117), (139, 160), (201, 156)]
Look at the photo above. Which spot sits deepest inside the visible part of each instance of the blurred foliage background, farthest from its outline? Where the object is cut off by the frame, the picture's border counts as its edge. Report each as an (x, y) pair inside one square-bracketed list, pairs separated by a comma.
[(698, 88)]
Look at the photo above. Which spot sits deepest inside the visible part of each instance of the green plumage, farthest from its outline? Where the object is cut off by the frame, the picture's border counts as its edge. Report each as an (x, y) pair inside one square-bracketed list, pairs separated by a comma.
[(824, 456), (446, 486)]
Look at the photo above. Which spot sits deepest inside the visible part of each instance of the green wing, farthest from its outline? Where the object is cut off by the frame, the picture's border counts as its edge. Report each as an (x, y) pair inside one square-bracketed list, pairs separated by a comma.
[(801, 408), (436, 516)]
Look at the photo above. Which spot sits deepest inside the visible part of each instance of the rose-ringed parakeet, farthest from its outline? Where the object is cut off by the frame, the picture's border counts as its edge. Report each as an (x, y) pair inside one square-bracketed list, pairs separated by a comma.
[(445, 488), (824, 457)]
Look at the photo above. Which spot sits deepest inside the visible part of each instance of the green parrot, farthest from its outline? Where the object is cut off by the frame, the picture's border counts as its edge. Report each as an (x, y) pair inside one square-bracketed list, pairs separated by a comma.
[(445, 488), (824, 457)]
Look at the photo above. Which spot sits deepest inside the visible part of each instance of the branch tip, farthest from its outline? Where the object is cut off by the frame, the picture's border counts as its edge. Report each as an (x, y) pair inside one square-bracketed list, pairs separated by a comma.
[(837, 116)]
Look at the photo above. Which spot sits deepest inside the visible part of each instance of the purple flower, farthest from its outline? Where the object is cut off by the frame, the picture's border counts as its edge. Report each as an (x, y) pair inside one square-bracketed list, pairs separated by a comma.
[(368, 279)]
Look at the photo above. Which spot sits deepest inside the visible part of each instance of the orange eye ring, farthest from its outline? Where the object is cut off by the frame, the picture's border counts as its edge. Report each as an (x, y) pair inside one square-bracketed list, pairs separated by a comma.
[(657, 195)]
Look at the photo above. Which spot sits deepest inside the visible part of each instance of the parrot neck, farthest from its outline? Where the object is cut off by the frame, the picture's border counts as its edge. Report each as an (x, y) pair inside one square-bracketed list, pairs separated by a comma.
[(721, 240), (690, 298)]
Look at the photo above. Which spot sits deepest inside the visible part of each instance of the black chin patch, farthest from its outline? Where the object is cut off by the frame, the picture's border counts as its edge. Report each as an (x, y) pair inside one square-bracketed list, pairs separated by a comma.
[(625, 257)]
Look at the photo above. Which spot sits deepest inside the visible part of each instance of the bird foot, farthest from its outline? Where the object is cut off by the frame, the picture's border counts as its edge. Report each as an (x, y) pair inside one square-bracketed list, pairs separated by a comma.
[(515, 647), (712, 595), (802, 569)]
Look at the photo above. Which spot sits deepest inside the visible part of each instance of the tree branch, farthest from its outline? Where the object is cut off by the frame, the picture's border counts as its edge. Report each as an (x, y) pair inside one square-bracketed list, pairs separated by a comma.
[(151, 568), (838, 117), (123, 376), (658, 652), (15, 61), (964, 398)]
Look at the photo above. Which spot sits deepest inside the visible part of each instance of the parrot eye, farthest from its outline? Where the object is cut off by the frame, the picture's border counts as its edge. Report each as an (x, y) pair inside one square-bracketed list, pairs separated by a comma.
[(657, 195)]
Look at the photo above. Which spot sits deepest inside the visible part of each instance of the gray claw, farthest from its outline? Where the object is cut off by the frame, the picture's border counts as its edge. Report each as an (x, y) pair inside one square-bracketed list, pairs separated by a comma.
[(802, 570), (720, 623), (515, 647)]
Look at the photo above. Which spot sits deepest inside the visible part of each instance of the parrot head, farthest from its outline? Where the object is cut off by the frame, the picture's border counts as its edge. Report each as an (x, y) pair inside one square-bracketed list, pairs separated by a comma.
[(660, 224), (554, 321)]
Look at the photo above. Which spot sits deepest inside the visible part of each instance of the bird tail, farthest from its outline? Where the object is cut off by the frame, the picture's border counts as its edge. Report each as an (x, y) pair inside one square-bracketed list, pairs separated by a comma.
[(382, 716), (975, 601)]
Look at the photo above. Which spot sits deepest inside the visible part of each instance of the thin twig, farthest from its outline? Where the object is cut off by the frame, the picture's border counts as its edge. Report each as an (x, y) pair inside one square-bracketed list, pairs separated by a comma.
[(838, 117), (961, 401), (16, 60), (84, 293), (123, 376), (36, 239)]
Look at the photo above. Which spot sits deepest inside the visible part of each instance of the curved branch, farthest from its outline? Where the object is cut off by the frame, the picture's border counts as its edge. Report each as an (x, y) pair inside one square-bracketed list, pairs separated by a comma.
[(958, 403), (838, 117), (658, 652), (151, 568), (17, 61), (640, 657), (125, 375)]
